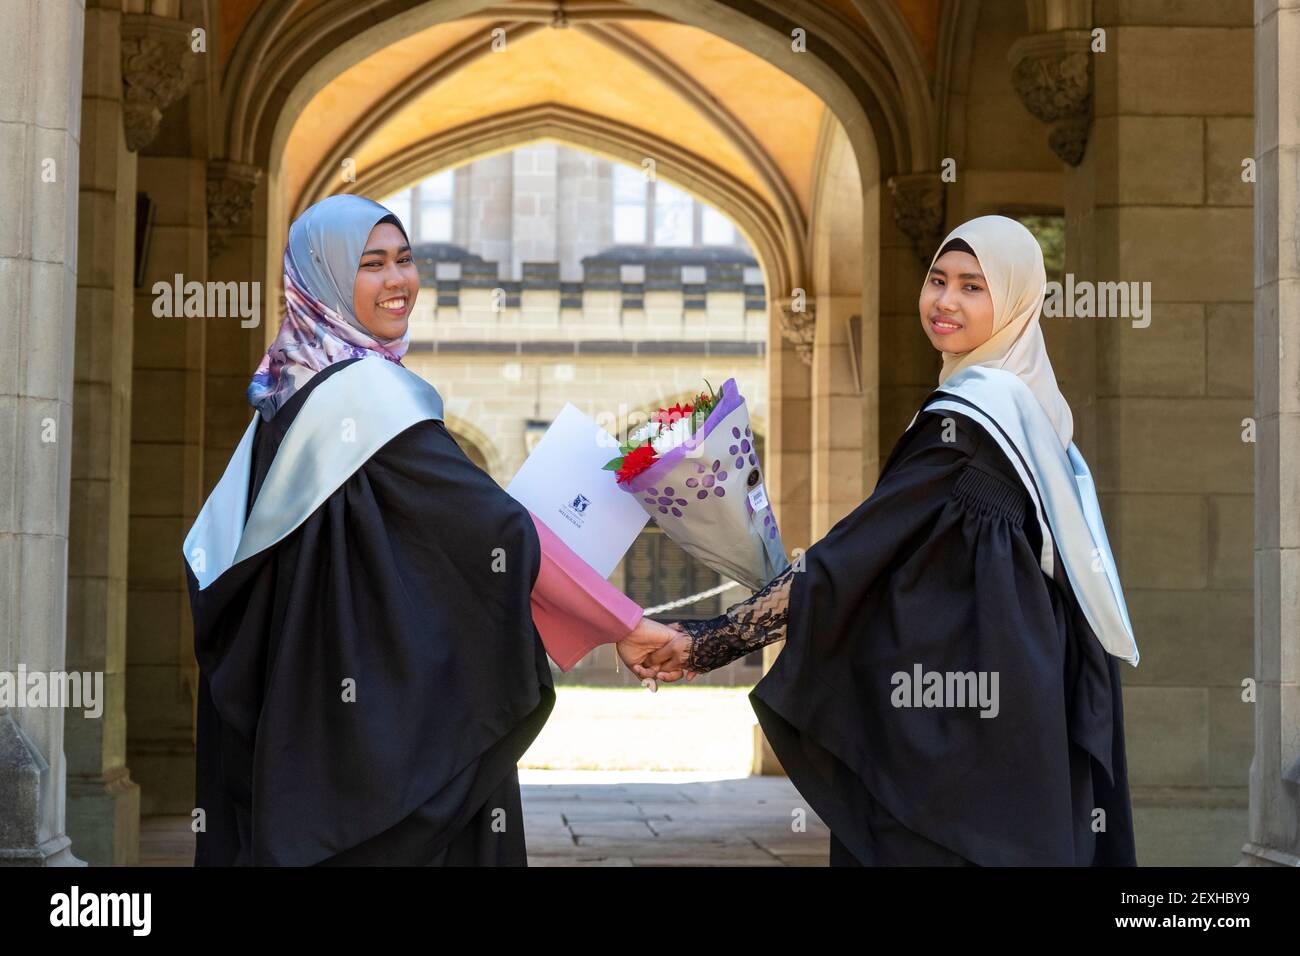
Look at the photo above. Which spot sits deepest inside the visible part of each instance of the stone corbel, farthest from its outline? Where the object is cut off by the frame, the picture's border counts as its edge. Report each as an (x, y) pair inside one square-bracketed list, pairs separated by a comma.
[(230, 200), (919, 210), (799, 328), (1052, 75), (158, 67)]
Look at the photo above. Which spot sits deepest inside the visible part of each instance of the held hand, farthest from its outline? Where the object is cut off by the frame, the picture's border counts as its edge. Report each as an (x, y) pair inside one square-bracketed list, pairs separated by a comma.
[(668, 663), (635, 649)]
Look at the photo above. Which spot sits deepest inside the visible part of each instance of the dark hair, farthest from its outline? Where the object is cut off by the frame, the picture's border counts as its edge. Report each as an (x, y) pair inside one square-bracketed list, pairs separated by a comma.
[(956, 245), (398, 223)]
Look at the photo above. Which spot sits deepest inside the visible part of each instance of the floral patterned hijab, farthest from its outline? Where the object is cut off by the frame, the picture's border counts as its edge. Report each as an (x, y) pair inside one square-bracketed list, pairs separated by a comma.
[(320, 326)]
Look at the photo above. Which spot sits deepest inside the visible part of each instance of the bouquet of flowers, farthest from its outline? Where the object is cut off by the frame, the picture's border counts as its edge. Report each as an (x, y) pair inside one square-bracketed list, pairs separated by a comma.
[(694, 469)]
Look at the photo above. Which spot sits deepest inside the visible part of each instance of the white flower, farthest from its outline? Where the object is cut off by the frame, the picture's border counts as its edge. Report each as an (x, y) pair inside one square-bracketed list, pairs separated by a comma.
[(670, 436), (639, 436)]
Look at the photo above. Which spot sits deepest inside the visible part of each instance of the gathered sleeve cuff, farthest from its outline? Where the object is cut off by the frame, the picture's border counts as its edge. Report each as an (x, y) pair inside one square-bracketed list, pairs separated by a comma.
[(574, 608), (742, 628)]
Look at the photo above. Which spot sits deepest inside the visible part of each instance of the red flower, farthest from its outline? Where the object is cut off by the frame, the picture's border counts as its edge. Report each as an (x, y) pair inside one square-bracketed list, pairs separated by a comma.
[(635, 462), (667, 416)]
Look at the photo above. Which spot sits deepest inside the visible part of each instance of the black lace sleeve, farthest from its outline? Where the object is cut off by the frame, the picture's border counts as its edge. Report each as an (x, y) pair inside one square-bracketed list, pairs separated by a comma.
[(742, 628)]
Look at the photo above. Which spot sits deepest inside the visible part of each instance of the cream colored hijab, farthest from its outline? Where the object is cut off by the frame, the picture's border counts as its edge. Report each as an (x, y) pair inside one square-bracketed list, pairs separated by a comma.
[(1012, 262)]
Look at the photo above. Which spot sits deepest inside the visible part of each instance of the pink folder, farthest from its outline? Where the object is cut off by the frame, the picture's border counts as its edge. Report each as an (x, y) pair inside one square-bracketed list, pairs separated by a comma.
[(574, 608)]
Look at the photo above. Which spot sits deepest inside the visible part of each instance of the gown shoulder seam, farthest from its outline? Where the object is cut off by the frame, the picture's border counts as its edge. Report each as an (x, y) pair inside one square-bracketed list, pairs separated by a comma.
[(987, 491)]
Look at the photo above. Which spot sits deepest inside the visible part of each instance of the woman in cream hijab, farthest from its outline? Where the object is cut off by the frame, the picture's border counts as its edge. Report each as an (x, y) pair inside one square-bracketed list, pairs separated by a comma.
[(1016, 280), (949, 692)]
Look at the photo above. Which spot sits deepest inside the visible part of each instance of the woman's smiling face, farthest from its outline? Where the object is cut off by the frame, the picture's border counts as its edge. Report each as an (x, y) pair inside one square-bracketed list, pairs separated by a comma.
[(956, 308), (387, 283)]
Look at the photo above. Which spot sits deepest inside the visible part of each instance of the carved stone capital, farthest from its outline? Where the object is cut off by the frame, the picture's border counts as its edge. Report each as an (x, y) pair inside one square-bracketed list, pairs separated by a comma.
[(157, 69), (230, 200), (918, 210), (1052, 75), (799, 326)]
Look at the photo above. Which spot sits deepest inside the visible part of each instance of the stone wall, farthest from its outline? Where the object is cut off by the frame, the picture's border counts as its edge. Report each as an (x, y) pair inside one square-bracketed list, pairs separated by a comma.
[(1159, 198), (40, 133)]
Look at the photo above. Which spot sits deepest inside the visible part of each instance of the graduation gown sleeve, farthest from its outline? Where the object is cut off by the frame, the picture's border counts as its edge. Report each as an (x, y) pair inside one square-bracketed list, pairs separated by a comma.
[(742, 628), (575, 609), (938, 572)]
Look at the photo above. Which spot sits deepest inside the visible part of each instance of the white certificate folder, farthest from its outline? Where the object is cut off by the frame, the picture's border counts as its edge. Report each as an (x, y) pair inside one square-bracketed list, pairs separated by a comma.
[(563, 483)]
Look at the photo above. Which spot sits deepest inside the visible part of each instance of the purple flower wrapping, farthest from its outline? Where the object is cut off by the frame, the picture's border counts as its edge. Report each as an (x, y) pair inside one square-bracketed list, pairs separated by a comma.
[(707, 494)]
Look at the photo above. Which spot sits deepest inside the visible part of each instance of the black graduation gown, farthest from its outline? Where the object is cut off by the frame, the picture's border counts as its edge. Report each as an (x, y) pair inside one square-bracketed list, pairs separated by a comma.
[(389, 583), (940, 567)]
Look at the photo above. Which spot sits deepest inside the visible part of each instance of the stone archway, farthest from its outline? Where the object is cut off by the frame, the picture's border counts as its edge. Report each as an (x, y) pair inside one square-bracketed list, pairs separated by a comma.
[(280, 65), (299, 55), (753, 216), (784, 207), (879, 133), (476, 444)]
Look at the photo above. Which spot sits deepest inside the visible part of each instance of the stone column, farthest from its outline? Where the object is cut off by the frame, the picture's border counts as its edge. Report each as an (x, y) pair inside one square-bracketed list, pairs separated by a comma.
[(167, 396), (167, 416), (1158, 197), (789, 444), (103, 802), (789, 388), (1275, 772), (535, 193), (237, 252), (788, 453), (912, 224), (584, 215), (840, 403), (484, 199), (843, 261), (40, 122)]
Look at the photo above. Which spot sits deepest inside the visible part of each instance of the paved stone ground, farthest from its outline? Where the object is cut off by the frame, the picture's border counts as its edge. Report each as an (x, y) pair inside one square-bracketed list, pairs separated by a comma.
[(637, 818), (624, 818)]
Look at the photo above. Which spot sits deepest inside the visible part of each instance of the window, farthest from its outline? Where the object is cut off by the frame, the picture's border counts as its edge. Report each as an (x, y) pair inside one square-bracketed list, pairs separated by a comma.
[(674, 216), (629, 205), (718, 230), (1049, 230), (670, 216), (435, 204)]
